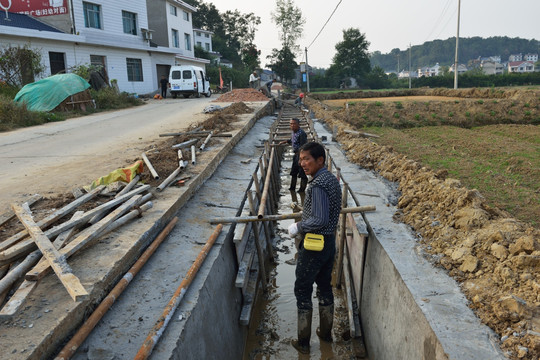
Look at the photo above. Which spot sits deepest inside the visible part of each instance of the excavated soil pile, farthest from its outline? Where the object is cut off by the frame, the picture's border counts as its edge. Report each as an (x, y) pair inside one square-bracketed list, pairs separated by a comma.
[(165, 159), (238, 95), (495, 257)]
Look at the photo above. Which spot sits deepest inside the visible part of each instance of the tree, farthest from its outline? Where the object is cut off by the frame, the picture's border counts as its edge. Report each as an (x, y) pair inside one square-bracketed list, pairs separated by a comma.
[(20, 65), (352, 54), (283, 63), (250, 57), (240, 33), (288, 18)]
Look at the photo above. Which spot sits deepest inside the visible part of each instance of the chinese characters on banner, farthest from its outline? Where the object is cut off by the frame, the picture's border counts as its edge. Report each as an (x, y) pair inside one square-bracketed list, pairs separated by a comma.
[(35, 7)]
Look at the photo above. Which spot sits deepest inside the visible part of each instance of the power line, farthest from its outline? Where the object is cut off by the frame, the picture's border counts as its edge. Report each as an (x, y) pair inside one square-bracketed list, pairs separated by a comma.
[(325, 24), (445, 9)]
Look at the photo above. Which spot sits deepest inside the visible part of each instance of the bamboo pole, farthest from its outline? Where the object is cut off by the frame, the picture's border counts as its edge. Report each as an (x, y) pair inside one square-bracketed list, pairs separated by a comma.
[(71, 347), (298, 215), (155, 334), (342, 233), (260, 253), (266, 185), (150, 167), (265, 224)]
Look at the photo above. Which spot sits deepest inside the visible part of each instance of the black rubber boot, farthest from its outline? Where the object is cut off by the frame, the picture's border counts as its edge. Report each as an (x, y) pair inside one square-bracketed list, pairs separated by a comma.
[(304, 331), (303, 184), (326, 314), (293, 183)]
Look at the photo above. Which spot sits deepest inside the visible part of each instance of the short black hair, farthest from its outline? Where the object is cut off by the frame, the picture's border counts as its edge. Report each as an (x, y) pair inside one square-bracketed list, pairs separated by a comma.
[(315, 149), (296, 119)]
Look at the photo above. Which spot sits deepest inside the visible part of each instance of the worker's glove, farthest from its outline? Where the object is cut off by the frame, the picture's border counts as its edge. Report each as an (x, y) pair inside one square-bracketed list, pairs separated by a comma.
[(293, 230)]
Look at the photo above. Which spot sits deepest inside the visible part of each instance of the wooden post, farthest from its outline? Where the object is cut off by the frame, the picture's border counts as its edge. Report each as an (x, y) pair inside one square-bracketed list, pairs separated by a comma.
[(56, 260), (265, 225), (260, 253), (342, 233)]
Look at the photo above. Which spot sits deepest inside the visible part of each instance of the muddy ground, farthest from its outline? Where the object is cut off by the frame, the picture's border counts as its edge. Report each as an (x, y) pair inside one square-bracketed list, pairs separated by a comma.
[(494, 256)]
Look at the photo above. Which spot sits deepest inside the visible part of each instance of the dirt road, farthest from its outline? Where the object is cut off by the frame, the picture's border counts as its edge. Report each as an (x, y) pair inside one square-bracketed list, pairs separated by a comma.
[(60, 156)]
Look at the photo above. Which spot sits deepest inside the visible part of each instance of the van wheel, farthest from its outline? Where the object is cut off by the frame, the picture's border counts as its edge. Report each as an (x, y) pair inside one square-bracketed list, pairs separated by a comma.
[(197, 94), (174, 95), (209, 93), (186, 95)]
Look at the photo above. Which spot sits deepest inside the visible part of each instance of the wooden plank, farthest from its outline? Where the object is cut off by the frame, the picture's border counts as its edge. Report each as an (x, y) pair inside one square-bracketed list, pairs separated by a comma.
[(357, 248), (249, 298), (25, 246), (56, 260), (49, 220), (352, 304), (85, 238), (9, 214)]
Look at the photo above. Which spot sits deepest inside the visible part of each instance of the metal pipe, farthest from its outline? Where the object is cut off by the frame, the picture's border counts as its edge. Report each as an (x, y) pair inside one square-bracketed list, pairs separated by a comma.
[(206, 141), (342, 232), (298, 215), (129, 186), (185, 144), (266, 185), (193, 155), (71, 347), (158, 329), (169, 179), (150, 167)]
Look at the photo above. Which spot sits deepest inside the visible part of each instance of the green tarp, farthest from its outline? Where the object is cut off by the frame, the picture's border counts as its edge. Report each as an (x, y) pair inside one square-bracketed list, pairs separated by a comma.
[(48, 93)]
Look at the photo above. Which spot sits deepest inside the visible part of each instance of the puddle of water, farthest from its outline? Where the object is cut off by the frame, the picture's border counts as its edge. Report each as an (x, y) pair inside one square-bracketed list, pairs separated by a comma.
[(274, 321)]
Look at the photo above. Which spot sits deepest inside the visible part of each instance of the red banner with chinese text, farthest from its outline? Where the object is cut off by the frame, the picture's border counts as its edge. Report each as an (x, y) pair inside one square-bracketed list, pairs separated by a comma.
[(35, 7)]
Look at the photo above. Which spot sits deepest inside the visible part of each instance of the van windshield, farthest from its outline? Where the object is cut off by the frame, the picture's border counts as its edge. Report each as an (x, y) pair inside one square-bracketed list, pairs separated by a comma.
[(186, 74), (175, 75)]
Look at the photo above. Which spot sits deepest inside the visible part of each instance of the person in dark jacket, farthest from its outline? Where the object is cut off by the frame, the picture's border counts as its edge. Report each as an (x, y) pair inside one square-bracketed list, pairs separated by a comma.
[(164, 83), (298, 138), (320, 215)]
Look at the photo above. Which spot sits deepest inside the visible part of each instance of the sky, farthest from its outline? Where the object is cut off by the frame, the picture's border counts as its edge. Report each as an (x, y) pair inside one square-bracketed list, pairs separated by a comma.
[(390, 24)]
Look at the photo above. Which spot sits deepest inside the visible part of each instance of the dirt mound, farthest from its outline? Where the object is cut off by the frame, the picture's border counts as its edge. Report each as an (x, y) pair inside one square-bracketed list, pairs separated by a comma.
[(238, 95), (495, 257)]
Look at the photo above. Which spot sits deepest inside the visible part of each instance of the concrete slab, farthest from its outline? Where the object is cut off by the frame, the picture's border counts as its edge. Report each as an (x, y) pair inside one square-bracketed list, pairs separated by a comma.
[(409, 309), (50, 314)]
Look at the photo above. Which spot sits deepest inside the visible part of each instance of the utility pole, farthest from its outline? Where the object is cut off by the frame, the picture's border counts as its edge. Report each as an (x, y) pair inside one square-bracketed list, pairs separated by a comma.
[(398, 63), (457, 43), (410, 65), (307, 72)]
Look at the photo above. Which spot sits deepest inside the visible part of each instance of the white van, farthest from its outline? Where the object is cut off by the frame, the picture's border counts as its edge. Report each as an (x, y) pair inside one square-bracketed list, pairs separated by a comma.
[(188, 80)]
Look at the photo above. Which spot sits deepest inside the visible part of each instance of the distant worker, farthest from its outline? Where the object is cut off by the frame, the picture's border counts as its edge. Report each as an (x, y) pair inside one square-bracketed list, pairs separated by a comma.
[(254, 80), (319, 217), (298, 138), (269, 86), (164, 83), (299, 100)]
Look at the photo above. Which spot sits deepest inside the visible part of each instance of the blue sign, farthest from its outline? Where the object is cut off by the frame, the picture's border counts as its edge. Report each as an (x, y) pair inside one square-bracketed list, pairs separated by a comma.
[(304, 77)]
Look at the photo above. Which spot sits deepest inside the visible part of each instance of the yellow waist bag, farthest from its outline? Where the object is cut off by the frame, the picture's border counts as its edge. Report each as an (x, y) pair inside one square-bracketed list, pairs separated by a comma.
[(314, 242)]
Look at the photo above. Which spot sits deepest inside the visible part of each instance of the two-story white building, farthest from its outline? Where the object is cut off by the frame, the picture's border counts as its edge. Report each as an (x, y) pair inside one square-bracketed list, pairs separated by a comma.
[(115, 34), (521, 66)]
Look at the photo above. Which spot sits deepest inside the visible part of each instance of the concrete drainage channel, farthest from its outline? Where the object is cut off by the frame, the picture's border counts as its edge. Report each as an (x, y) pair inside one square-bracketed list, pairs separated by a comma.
[(405, 308)]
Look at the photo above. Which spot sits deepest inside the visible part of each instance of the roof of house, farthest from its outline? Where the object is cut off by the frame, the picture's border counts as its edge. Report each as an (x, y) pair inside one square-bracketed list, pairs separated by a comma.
[(517, 63), (24, 21)]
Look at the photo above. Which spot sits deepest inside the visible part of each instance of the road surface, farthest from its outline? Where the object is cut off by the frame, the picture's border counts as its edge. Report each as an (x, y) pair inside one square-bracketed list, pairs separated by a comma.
[(56, 157)]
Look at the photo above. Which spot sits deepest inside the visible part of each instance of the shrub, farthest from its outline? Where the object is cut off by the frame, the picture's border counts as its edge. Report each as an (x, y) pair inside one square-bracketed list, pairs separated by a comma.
[(108, 98), (450, 114), (480, 101), (417, 116), (396, 115), (399, 105), (378, 103)]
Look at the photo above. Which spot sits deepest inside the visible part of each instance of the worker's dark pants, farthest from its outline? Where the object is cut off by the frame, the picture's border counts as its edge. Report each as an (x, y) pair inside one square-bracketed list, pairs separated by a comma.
[(315, 267), (296, 169), (164, 92)]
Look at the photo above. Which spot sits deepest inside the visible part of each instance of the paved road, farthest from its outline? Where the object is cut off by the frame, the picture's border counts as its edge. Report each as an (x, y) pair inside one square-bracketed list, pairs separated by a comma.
[(56, 157)]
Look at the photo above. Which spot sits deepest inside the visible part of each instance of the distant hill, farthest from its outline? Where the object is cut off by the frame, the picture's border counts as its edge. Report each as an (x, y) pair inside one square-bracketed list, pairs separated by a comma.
[(443, 52)]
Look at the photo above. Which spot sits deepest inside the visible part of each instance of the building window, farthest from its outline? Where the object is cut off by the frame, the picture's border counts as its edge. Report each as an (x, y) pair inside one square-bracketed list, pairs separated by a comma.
[(92, 15), (57, 62), (172, 10), (206, 35), (199, 44), (129, 20), (207, 46), (187, 41), (198, 33), (185, 15), (134, 69), (174, 38)]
